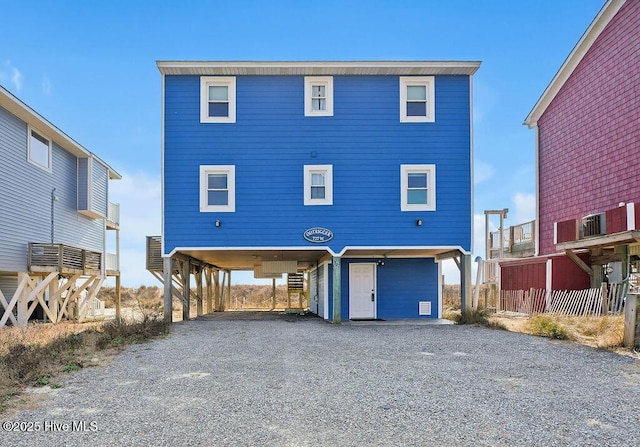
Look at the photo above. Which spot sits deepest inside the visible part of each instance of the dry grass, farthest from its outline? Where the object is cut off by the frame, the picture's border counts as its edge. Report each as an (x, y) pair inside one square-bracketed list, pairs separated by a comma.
[(39, 354), (599, 332)]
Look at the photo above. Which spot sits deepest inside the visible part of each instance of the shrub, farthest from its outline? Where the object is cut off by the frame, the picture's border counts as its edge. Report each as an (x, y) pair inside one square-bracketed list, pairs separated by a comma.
[(545, 326)]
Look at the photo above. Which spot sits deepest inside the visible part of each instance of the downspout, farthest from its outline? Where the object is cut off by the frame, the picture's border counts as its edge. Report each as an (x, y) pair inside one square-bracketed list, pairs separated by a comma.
[(54, 199)]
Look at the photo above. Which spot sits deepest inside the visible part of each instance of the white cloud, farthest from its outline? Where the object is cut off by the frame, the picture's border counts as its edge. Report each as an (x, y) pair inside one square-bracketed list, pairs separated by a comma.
[(16, 78), (524, 208), (11, 74), (46, 85), (482, 171)]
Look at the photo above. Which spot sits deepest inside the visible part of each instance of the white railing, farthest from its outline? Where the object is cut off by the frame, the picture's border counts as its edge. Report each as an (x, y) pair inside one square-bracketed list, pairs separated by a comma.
[(113, 213), (112, 262)]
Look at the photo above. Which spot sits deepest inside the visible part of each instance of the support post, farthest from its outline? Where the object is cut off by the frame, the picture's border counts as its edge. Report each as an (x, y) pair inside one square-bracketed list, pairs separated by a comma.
[(53, 300), (22, 302), (632, 321), (216, 290), (208, 273), (167, 273), (273, 294), (186, 289), (465, 284), (229, 287), (199, 291), (337, 317), (118, 298)]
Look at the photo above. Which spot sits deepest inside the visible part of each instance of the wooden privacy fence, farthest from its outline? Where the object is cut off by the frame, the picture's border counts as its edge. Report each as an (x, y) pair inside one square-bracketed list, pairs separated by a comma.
[(607, 300)]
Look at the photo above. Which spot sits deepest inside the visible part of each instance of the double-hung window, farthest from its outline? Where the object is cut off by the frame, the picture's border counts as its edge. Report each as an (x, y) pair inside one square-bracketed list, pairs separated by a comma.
[(217, 99), (418, 187), (39, 150), (417, 99), (318, 184), (318, 96), (217, 188)]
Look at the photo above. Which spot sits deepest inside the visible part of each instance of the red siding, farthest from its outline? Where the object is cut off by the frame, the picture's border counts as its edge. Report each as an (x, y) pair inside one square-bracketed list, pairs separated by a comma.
[(566, 275), (523, 276), (567, 231), (590, 134), (616, 220)]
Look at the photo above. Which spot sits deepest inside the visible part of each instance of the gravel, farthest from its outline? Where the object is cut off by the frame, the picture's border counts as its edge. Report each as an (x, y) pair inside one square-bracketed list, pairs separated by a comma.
[(298, 381)]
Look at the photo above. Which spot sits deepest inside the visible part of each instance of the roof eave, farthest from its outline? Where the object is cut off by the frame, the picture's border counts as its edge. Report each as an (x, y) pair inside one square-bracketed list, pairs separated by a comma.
[(316, 67), (21, 110)]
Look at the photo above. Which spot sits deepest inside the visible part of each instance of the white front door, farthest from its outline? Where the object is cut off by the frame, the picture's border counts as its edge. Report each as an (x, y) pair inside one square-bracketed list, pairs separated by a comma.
[(362, 291)]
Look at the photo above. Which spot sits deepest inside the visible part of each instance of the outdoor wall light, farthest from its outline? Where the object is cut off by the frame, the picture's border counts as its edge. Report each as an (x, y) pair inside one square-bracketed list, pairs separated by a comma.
[(218, 223), (419, 222)]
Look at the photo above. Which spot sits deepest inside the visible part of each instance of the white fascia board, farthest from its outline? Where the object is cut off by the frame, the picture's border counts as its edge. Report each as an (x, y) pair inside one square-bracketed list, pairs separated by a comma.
[(317, 67), (608, 11), (21, 110)]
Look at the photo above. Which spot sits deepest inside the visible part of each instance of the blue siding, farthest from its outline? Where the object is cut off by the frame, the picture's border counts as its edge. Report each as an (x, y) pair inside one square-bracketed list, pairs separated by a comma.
[(272, 141), (401, 285), (83, 183)]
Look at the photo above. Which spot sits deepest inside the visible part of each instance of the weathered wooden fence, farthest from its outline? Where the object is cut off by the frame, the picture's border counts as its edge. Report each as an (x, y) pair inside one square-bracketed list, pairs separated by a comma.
[(607, 300)]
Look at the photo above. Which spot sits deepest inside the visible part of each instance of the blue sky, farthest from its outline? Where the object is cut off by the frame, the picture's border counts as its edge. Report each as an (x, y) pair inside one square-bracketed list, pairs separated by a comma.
[(89, 68)]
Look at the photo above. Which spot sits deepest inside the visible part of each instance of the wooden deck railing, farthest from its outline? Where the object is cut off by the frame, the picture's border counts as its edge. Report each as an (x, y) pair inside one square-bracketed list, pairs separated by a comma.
[(154, 254), (63, 258), (113, 215), (625, 217), (518, 241)]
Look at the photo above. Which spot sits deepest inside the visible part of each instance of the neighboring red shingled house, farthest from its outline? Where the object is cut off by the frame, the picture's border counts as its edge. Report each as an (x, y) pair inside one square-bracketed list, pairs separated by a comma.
[(587, 125)]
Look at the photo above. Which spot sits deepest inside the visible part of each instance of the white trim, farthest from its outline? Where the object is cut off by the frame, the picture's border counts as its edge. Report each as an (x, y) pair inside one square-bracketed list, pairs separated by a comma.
[(19, 109), (608, 12), (327, 170), (444, 248), (430, 170), (230, 171), (162, 111), (471, 155), (440, 286), (225, 81), (631, 216), (549, 272), (318, 68), (327, 83), (536, 249), (325, 276), (375, 288), (429, 83), (30, 131), (555, 233)]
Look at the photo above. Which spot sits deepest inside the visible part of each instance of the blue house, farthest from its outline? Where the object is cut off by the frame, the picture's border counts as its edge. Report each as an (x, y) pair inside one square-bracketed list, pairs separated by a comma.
[(356, 174), (54, 215)]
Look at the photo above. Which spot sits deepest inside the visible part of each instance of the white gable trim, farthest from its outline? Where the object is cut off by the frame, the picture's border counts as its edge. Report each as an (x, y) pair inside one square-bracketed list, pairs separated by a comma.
[(608, 11)]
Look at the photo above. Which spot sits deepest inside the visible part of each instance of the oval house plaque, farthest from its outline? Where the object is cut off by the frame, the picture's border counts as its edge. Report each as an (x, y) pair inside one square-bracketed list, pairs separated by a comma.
[(318, 235)]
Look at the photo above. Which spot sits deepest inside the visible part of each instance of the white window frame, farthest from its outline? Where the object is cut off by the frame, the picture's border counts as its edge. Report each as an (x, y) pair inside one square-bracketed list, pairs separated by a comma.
[(429, 83), (309, 82), (226, 81), (230, 171), (31, 160), (327, 170), (430, 170)]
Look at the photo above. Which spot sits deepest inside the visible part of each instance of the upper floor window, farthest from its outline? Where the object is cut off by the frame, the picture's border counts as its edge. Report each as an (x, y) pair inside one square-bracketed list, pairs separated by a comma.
[(318, 96), (217, 99), (218, 188), (318, 184), (39, 150), (417, 99), (418, 187)]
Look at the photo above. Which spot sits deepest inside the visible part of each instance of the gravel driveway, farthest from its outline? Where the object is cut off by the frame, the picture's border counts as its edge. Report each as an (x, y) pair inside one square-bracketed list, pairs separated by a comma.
[(298, 381)]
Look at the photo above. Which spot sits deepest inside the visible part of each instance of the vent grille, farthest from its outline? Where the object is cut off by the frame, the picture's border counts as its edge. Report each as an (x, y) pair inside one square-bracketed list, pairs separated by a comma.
[(424, 308), (593, 225)]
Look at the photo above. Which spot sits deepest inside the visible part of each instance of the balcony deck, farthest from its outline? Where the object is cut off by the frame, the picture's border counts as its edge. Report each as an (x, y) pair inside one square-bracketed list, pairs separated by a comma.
[(113, 216), (45, 258), (518, 241)]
